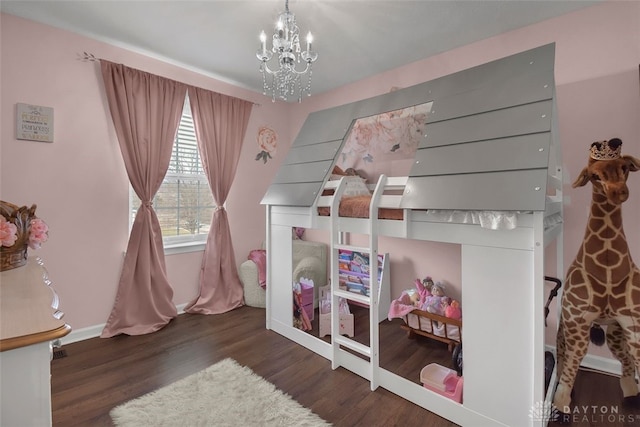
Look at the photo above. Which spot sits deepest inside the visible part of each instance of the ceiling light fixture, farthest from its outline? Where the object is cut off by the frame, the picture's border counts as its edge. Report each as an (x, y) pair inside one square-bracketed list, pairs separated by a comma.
[(286, 79)]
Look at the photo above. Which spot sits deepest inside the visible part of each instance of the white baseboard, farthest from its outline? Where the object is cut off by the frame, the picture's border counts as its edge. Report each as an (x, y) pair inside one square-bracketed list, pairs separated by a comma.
[(83, 334), (597, 363), (602, 364), (95, 330)]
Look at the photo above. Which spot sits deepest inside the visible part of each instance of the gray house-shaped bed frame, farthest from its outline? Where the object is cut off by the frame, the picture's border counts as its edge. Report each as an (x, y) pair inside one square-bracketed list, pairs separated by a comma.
[(490, 144)]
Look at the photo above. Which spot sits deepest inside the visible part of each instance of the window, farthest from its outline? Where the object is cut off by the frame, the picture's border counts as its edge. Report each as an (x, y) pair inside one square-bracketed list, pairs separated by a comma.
[(184, 204)]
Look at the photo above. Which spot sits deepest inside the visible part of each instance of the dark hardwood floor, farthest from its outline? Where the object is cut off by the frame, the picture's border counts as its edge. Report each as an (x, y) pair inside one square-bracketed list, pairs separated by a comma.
[(597, 402), (98, 374)]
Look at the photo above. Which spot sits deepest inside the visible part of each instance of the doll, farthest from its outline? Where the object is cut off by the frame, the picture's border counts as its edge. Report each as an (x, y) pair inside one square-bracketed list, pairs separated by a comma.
[(437, 301), (424, 291)]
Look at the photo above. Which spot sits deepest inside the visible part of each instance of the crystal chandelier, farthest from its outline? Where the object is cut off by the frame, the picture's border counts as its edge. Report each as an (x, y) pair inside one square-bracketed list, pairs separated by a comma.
[(286, 79)]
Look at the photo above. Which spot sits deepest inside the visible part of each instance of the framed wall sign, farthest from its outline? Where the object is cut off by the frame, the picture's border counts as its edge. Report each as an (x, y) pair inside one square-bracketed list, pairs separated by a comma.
[(34, 123)]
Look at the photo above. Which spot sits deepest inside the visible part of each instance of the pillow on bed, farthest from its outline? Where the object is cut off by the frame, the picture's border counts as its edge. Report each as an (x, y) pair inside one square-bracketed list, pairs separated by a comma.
[(337, 173), (356, 187)]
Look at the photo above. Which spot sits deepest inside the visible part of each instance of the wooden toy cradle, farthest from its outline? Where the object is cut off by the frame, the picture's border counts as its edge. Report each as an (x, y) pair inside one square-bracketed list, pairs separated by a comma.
[(436, 327)]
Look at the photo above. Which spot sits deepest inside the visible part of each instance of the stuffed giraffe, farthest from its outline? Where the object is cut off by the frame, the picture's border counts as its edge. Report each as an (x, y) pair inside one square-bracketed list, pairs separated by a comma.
[(602, 286)]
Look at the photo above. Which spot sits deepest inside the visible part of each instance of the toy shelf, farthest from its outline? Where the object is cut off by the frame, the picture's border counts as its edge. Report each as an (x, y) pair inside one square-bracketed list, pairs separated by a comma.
[(357, 278)]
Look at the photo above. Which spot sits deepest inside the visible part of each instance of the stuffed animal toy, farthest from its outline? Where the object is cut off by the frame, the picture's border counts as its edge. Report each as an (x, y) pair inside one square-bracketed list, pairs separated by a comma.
[(453, 311), (414, 297), (602, 282)]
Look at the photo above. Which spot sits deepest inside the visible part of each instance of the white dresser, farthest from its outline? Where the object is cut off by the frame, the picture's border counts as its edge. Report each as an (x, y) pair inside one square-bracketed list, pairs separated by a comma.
[(29, 321)]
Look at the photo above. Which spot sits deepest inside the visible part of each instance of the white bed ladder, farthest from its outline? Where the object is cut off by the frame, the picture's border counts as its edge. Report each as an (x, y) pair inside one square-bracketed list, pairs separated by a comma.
[(372, 352)]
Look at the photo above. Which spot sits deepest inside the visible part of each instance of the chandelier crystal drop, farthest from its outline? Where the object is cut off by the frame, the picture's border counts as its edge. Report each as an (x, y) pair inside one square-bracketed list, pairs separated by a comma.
[(286, 79)]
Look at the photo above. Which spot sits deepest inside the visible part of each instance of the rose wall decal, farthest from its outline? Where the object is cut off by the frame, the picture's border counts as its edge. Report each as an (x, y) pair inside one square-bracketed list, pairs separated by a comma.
[(267, 143)]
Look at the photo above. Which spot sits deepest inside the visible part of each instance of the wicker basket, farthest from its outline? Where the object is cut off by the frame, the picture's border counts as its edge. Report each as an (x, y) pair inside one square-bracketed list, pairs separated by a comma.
[(16, 256), (13, 258)]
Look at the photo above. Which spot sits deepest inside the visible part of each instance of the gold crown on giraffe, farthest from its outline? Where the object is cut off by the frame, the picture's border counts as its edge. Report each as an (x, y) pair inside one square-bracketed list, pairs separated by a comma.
[(606, 150)]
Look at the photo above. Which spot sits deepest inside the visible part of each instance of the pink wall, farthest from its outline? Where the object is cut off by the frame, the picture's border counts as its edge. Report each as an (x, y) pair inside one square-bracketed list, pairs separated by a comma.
[(597, 80), (597, 58), (79, 181)]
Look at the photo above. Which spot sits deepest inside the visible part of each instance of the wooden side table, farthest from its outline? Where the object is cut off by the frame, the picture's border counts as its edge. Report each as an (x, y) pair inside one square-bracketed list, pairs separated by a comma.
[(30, 320)]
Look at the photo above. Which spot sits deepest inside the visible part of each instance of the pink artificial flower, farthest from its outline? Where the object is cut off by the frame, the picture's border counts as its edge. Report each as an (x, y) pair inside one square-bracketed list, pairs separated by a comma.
[(299, 231), (38, 233), (8, 232)]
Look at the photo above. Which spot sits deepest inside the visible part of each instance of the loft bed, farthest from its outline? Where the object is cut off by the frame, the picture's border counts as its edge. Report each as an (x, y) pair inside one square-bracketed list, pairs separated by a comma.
[(489, 154), (389, 192)]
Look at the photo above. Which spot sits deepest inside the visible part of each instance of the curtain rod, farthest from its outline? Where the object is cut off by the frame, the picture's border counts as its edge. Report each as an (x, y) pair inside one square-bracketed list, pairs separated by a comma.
[(90, 57)]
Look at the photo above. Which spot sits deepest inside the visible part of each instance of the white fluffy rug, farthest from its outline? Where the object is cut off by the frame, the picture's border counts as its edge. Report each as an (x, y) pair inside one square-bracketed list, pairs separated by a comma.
[(225, 394)]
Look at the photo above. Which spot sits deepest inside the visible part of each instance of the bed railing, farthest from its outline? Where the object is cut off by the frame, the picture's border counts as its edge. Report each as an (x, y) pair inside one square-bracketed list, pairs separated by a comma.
[(386, 193)]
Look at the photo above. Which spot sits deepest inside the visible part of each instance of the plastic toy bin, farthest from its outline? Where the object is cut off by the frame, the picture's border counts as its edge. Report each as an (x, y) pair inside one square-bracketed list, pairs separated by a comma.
[(443, 381)]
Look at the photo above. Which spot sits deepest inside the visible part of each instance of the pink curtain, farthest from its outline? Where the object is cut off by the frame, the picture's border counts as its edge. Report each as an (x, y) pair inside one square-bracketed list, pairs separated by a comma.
[(220, 122), (146, 111)]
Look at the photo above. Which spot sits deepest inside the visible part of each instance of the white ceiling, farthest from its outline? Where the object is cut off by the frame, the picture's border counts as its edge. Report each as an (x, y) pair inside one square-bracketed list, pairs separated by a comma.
[(354, 39)]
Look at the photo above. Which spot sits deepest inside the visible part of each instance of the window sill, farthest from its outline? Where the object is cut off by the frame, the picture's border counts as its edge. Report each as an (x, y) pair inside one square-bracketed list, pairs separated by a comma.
[(183, 248)]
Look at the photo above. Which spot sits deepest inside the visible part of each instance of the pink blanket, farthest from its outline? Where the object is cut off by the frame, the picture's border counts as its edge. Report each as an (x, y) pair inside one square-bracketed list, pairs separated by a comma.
[(259, 256), (400, 307)]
